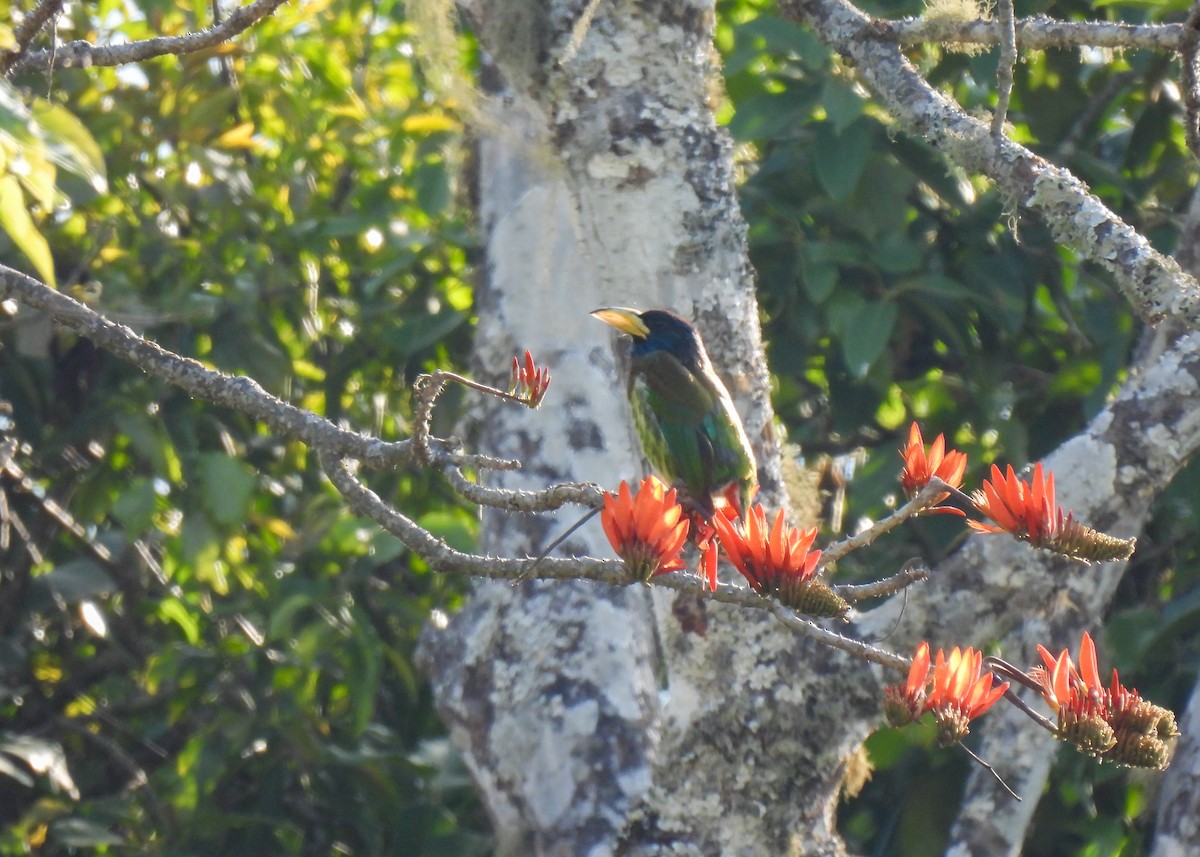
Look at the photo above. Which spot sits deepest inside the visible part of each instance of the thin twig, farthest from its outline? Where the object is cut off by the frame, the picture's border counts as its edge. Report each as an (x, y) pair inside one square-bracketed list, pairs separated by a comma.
[(426, 390), (25, 32), (987, 767), (925, 498), (83, 54), (834, 640), (138, 779), (913, 571), (555, 497), (1006, 27)]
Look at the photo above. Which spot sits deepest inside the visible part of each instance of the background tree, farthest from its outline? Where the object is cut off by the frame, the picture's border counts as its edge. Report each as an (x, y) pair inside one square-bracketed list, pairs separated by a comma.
[(213, 655)]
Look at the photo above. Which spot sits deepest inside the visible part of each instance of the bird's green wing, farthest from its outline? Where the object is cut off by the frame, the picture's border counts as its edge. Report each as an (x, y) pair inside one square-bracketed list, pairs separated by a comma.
[(688, 428)]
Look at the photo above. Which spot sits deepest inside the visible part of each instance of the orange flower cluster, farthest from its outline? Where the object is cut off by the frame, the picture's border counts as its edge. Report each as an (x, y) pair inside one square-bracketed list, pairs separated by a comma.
[(957, 693), (647, 530), (1027, 511), (921, 465), (778, 561), (529, 381), (1112, 723)]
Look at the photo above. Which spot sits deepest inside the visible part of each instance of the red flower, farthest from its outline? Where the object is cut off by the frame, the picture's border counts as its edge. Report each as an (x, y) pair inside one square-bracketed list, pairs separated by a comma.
[(959, 694), (647, 530), (1027, 511), (777, 561), (920, 466), (529, 381), (1112, 723), (905, 703)]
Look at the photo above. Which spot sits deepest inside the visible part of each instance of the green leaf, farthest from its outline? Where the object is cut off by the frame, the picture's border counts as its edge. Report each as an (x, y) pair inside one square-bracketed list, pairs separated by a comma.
[(15, 220), (839, 158), (419, 333), (226, 487), (174, 610), (865, 328), (70, 144), (818, 277), (136, 505), (452, 527), (150, 439), (842, 104), (75, 581), (896, 254), (937, 285)]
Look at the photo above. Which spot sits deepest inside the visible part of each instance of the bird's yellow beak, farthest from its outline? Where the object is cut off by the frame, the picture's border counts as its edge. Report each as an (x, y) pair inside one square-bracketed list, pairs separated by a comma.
[(623, 319)]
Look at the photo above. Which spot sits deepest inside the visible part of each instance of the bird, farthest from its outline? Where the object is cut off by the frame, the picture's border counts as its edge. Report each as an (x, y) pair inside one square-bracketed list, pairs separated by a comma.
[(689, 429)]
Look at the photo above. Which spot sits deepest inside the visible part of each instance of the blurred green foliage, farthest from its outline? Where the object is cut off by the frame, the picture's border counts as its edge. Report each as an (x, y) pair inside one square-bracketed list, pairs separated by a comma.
[(285, 207), (237, 676)]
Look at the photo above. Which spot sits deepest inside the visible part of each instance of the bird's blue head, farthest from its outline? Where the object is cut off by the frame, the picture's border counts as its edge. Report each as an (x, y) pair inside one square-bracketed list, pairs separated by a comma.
[(656, 330)]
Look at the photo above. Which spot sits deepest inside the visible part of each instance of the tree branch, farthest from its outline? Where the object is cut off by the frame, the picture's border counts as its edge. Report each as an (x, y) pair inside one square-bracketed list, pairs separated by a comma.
[(237, 392), (1038, 33), (1008, 61), (1190, 78), (32, 24), (83, 54), (1155, 286)]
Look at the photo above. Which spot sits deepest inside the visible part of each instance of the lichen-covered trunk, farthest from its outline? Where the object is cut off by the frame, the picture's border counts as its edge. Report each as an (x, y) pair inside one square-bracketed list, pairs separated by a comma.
[(604, 720)]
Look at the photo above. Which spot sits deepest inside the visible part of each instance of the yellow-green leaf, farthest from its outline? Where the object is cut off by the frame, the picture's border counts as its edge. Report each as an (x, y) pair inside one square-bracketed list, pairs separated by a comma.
[(15, 220), (70, 144), (428, 123), (241, 137)]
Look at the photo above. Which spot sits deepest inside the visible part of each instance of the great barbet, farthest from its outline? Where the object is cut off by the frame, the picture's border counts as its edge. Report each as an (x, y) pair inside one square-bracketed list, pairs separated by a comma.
[(689, 429)]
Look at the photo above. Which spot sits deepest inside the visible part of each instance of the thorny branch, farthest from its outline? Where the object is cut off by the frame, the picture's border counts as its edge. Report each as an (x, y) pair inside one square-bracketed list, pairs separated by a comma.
[(926, 498), (1190, 65), (83, 54), (1154, 284), (25, 32)]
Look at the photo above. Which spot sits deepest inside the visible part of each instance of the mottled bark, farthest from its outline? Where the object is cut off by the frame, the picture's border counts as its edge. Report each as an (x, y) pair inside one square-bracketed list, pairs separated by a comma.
[(588, 713)]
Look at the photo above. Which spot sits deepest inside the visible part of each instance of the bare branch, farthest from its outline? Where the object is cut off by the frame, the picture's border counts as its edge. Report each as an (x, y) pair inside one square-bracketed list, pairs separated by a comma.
[(1039, 32), (1190, 74), (1155, 286), (237, 392), (32, 24), (914, 571), (925, 498), (1008, 61), (556, 496), (82, 54)]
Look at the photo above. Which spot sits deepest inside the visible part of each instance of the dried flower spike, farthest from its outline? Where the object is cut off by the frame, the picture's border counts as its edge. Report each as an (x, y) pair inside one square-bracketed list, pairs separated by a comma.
[(1027, 511), (1112, 723)]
